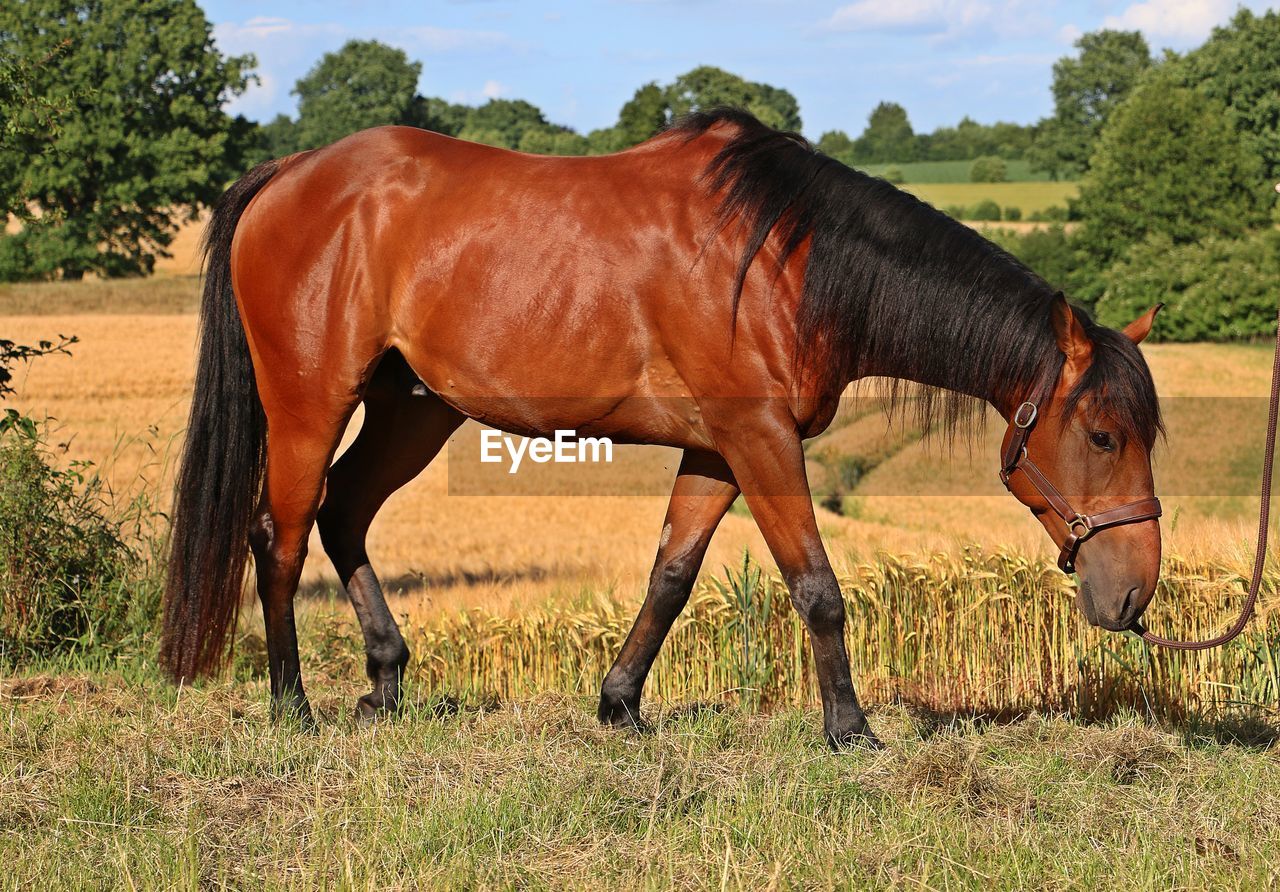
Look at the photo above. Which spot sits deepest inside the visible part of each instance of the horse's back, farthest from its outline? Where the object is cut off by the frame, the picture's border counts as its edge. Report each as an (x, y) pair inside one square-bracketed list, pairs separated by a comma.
[(497, 272)]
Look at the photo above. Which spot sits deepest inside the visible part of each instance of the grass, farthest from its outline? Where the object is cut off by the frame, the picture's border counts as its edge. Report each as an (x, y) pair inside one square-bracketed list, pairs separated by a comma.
[(116, 781), (914, 172), (1027, 197)]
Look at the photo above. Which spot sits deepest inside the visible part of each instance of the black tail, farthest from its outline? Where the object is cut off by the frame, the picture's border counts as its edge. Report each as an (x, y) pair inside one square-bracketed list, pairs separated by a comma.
[(220, 478)]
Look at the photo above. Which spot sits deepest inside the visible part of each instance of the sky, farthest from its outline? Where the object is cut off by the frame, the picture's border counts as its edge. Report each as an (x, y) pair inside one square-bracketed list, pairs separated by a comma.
[(579, 61)]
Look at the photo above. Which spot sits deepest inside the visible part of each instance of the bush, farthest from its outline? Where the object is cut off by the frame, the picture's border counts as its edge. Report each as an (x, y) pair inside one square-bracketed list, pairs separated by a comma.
[(893, 175), (1048, 252), (985, 210), (1218, 289), (71, 579), (1052, 214), (957, 211), (1013, 214), (988, 169)]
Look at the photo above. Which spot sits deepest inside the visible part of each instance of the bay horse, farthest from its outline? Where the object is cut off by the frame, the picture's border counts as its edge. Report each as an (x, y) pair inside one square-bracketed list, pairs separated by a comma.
[(715, 288)]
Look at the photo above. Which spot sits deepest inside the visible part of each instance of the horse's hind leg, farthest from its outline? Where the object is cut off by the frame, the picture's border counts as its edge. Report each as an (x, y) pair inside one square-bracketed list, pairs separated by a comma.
[(401, 434), (703, 492), (300, 444)]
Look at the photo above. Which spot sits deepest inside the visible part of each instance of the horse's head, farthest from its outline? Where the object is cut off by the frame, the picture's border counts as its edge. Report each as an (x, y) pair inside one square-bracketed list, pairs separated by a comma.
[(1078, 454)]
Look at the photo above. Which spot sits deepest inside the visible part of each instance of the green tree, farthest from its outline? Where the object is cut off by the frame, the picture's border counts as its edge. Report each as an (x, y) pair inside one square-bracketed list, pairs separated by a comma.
[(837, 144), (445, 117), (1086, 90), (707, 87), (988, 169), (888, 136), (143, 138), (1168, 162), (364, 84), (1239, 66), (504, 122), (644, 114), (1216, 289), (553, 140), (969, 139)]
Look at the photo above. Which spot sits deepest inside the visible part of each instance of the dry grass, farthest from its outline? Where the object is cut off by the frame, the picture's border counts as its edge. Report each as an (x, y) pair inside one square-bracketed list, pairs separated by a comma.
[(112, 782)]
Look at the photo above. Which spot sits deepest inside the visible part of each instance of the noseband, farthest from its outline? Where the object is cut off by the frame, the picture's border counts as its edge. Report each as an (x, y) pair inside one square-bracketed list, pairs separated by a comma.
[(1079, 526)]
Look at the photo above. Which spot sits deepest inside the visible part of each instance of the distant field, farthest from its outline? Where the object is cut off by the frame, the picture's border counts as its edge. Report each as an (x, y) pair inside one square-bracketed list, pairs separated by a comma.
[(954, 171), (1027, 197)]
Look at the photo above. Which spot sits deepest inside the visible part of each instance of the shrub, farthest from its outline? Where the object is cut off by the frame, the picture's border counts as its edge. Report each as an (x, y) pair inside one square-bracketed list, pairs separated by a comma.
[(985, 210), (988, 169), (958, 211), (1052, 214), (1047, 251), (1013, 214), (71, 579), (893, 175), (1218, 289)]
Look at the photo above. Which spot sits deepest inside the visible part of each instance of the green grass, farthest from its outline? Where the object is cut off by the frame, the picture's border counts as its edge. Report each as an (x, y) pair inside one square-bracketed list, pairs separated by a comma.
[(954, 171), (117, 781)]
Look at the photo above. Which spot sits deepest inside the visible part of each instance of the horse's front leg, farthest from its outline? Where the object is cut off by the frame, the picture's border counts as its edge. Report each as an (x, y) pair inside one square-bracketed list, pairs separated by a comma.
[(767, 460), (703, 492)]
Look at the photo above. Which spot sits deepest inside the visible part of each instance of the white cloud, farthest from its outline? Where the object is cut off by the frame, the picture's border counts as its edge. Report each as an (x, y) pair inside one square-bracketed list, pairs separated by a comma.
[(942, 19), (1177, 22), (904, 15), (492, 89), (1069, 34)]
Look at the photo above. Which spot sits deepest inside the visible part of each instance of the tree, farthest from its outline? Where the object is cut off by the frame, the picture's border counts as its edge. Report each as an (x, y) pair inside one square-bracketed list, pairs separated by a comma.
[(644, 114), (1217, 289), (888, 136), (503, 122), (364, 84), (1168, 162), (707, 87), (987, 169), (1239, 66), (440, 115), (143, 138), (1086, 90), (837, 144)]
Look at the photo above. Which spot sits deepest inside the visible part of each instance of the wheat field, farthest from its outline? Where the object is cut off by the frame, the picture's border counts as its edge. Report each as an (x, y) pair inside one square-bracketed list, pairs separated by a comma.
[(121, 399)]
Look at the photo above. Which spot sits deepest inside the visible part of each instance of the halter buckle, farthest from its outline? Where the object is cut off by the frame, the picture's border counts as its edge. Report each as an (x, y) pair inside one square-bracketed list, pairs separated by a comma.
[(1031, 411), (1082, 521)]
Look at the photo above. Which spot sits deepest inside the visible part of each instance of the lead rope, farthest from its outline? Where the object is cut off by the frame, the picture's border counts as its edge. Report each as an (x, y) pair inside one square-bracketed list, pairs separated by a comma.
[(1264, 524)]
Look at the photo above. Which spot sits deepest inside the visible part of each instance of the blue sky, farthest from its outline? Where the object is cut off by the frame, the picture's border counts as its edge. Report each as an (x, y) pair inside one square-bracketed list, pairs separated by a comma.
[(579, 61)]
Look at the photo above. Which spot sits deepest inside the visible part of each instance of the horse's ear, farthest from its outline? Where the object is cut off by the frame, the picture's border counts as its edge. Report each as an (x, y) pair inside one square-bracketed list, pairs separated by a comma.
[(1072, 341), (1139, 328)]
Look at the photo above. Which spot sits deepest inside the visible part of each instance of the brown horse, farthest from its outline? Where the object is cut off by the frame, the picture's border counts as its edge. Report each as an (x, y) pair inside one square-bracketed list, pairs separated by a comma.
[(715, 289)]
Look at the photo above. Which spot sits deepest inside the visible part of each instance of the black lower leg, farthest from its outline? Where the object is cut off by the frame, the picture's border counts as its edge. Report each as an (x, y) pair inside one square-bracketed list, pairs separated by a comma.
[(669, 588), (278, 574), (816, 597)]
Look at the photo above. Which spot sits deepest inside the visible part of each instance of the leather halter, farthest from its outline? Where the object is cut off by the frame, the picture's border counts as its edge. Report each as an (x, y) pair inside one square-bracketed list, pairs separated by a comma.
[(1080, 527)]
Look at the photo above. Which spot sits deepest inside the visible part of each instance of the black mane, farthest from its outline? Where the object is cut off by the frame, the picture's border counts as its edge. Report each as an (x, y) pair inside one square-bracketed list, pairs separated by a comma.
[(895, 288)]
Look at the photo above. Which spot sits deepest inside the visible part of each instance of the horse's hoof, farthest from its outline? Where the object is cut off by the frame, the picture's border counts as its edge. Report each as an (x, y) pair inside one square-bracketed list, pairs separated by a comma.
[(297, 714), (849, 741), (369, 711), (620, 717)]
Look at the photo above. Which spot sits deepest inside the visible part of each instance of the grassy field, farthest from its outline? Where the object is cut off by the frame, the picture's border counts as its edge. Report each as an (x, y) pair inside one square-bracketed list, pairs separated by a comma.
[(112, 782), (1027, 197), (962, 634), (955, 171)]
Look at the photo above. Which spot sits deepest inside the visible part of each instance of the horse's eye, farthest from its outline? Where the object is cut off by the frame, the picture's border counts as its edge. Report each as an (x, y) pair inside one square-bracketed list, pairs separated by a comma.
[(1102, 440)]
